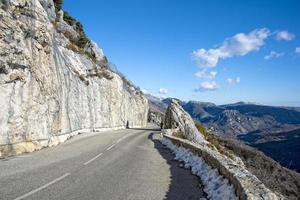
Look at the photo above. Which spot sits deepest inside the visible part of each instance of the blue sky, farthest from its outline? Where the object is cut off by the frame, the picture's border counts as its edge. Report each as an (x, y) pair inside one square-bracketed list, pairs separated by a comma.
[(216, 51)]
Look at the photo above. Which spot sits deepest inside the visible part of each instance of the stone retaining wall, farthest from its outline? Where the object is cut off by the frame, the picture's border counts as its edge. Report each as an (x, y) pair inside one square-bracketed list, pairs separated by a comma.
[(248, 186)]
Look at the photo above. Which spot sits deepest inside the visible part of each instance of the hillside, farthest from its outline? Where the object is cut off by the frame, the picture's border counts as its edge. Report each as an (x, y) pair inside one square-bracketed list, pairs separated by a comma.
[(282, 146), (267, 128)]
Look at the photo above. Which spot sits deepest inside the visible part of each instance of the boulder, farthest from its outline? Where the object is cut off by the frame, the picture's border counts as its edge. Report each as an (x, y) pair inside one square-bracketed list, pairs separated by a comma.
[(176, 118), (92, 49)]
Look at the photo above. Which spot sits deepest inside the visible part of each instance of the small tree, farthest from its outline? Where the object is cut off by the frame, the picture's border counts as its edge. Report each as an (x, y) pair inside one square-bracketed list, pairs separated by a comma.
[(69, 19), (82, 41), (58, 5)]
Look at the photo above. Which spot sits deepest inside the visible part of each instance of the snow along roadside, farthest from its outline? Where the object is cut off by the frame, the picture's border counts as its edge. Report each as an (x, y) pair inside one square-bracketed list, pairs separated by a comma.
[(216, 186)]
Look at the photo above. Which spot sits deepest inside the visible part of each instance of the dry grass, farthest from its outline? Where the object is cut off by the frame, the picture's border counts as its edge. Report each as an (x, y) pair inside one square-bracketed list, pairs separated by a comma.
[(214, 143), (179, 134), (101, 73), (74, 48)]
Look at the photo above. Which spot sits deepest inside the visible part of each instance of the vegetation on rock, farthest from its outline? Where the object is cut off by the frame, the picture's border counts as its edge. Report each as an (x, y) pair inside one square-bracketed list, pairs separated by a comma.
[(79, 44), (58, 5), (82, 39), (213, 140)]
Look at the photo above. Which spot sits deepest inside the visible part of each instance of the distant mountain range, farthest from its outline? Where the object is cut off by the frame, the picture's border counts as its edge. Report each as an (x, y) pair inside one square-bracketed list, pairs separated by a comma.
[(273, 130), (242, 118)]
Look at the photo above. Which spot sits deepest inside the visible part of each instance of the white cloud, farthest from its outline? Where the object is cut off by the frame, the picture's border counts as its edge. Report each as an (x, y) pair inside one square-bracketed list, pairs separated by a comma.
[(233, 81), (206, 58), (207, 86), (163, 91), (297, 50), (238, 45), (284, 35), (273, 54), (229, 80), (204, 74)]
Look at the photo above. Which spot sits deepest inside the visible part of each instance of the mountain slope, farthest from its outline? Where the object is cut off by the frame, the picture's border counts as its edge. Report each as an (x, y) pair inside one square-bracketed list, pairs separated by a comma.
[(281, 146)]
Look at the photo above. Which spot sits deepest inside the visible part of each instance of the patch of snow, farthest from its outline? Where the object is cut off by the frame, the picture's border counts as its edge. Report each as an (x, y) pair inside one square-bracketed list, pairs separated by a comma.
[(216, 186)]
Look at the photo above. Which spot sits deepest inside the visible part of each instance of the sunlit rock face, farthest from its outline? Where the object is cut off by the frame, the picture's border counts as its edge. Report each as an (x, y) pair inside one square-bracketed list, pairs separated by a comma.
[(176, 118), (48, 89)]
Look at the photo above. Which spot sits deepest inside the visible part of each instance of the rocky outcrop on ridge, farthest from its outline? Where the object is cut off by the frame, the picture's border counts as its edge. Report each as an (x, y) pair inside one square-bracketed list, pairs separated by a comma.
[(182, 124)]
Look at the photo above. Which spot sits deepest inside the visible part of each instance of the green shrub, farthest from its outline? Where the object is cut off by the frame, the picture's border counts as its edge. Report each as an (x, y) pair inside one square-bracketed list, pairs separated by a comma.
[(69, 19), (79, 27), (73, 47), (82, 40), (58, 5)]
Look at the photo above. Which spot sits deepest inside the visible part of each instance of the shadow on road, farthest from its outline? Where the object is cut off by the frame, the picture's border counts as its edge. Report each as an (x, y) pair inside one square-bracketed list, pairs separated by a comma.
[(184, 185), (146, 129)]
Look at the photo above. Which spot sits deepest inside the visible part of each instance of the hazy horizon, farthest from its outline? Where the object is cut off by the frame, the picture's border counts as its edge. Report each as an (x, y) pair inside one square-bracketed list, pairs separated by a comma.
[(278, 104)]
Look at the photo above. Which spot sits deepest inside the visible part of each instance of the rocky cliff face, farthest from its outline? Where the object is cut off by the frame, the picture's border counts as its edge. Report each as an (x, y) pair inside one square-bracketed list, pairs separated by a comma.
[(48, 89)]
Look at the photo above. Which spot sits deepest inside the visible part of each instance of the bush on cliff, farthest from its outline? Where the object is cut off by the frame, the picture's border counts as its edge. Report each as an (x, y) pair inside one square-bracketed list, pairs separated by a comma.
[(82, 40), (213, 140), (58, 5)]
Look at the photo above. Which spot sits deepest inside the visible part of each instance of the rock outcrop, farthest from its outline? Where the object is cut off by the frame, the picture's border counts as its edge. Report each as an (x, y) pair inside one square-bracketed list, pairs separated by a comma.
[(182, 123), (48, 90)]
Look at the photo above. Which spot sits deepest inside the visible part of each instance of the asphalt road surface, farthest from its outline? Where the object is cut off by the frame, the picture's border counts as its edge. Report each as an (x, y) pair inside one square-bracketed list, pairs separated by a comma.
[(127, 164)]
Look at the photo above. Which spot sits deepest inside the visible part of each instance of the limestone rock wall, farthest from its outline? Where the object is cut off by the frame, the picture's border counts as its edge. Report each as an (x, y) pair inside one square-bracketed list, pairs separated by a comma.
[(48, 90)]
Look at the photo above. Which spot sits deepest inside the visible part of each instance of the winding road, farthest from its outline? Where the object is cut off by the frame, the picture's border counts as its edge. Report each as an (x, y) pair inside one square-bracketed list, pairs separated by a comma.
[(126, 164)]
